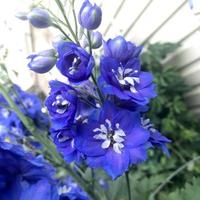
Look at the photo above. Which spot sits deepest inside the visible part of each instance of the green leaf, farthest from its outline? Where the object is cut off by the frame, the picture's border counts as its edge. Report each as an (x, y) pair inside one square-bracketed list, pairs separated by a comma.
[(189, 192)]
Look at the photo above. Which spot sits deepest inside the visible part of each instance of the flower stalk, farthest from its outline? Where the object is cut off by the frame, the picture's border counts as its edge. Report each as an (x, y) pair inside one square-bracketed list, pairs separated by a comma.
[(128, 185)]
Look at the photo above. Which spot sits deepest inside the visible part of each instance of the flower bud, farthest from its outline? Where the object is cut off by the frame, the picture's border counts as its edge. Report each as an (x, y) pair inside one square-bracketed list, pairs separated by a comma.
[(120, 49), (43, 61), (39, 18), (21, 15), (96, 40), (90, 16)]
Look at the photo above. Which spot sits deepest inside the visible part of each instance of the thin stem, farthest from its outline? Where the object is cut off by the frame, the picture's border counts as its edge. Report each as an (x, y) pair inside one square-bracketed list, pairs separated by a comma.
[(98, 90), (93, 78), (75, 20), (175, 173), (89, 41), (128, 185), (60, 6), (63, 32), (93, 178)]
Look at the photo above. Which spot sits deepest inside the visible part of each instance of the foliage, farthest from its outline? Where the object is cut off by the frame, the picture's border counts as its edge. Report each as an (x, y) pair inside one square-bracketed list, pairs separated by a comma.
[(189, 191), (170, 113)]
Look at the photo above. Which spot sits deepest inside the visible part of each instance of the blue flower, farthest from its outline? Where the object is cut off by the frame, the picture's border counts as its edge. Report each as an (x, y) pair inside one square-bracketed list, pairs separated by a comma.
[(74, 62), (64, 141), (121, 50), (43, 61), (11, 127), (90, 15), (72, 191), (156, 139), (39, 18), (61, 104), (113, 140), (30, 105), (24, 177), (126, 81)]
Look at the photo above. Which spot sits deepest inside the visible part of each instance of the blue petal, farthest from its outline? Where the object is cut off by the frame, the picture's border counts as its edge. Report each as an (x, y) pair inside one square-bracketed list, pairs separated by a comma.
[(138, 155), (116, 164), (137, 137)]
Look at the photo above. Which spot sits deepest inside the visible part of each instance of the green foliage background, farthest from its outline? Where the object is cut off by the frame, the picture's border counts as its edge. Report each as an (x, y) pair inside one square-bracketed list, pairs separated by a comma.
[(171, 115)]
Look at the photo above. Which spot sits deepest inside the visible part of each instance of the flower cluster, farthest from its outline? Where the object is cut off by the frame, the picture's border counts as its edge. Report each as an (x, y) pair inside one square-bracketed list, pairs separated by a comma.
[(97, 114), (11, 127), (23, 176)]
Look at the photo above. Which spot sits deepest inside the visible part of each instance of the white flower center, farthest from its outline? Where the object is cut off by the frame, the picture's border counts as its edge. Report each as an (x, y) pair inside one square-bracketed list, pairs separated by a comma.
[(5, 113), (112, 137), (61, 104), (75, 66), (147, 125), (126, 78), (28, 103)]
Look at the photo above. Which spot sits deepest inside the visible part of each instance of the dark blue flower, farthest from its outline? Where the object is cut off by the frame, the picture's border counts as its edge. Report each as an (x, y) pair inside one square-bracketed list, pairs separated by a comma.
[(70, 190), (74, 62), (39, 18), (64, 141), (114, 140), (90, 15), (43, 61), (61, 104), (11, 127), (24, 177), (126, 81), (30, 105), (156, 139), (121, 50)]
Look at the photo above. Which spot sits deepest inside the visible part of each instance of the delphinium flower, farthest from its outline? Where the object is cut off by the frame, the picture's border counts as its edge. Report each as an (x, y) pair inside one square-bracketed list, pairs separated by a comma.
[(61, 104), (114, 140), (121, 73), (70, 190), (155, 139), (43, 61), (90, 15), (12, 129), (74, 62), (23, 176), (65, 111), (96, 114), (37, 17)]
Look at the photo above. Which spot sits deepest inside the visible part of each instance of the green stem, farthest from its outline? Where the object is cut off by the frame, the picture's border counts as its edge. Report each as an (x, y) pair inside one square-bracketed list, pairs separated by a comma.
[(93, 78), (63, 32), (98, 90), (50, 147), (175, 173), (128, 185), (93, 178), (60, 6), (75, 20), (89, 41)]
